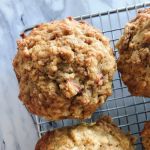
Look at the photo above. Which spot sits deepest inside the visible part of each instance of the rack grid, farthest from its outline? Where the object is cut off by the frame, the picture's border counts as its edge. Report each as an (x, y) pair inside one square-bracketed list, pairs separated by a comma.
[(127, 111)]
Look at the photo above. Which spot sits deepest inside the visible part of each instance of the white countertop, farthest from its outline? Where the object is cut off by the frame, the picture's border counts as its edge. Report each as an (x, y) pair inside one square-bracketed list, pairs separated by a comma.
[(17, 129)]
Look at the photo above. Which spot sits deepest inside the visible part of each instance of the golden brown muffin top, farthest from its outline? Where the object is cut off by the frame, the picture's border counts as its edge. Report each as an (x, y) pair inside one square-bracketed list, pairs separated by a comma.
[(102, 135), (134, 50), (146, 135), (65, 69)]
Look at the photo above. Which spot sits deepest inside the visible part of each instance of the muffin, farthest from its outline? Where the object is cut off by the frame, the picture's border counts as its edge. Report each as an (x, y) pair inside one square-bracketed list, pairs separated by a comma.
[(102, 135), (134, 50), (146, 135), (65, 69)]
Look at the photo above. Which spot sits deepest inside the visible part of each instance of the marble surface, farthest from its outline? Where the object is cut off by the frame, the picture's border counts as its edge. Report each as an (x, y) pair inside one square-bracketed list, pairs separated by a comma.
[(17, 128)]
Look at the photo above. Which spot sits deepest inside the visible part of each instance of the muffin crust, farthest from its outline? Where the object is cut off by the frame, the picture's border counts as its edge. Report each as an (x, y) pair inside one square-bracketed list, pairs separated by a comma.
[(146, 135), (134, 50), (102, 135), (65, 69)]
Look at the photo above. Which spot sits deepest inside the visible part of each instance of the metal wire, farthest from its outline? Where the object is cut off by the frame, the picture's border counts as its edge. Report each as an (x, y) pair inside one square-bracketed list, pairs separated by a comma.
[(127, 111)]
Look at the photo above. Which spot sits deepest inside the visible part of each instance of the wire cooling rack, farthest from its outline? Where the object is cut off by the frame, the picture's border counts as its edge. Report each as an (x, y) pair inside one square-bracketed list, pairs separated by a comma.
[(127, 111)]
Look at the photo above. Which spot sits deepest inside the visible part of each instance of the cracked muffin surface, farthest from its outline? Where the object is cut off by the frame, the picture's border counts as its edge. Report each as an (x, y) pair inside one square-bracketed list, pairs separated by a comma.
[(65, 69), (102, 135), (134, 50), (146, 135)]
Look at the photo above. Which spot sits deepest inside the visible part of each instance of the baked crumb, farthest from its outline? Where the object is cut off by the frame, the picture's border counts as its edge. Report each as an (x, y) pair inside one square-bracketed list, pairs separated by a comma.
[(102, 135), (146, 135), (134, 50), (65, 69)]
